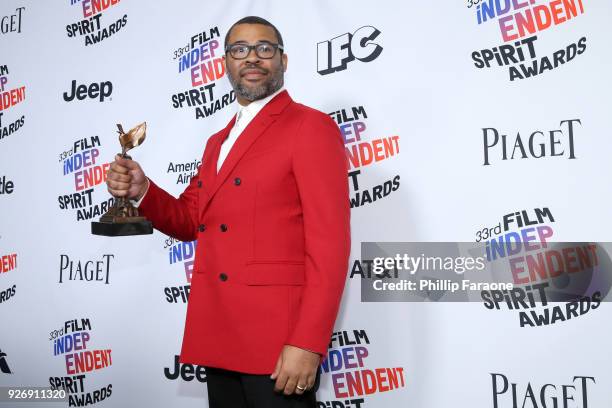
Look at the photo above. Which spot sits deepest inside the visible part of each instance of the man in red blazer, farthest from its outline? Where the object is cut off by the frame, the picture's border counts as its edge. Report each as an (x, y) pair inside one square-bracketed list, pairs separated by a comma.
[(270, 210)]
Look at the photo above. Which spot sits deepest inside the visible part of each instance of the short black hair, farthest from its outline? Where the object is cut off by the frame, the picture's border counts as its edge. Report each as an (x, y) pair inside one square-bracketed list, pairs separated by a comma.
[(254, 20)]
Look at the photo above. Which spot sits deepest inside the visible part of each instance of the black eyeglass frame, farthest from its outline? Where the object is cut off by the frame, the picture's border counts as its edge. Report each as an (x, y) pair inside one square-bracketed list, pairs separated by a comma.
[(254, 47)]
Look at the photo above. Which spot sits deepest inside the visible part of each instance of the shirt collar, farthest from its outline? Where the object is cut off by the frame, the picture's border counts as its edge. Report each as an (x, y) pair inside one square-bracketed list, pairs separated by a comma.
[(253, 108)]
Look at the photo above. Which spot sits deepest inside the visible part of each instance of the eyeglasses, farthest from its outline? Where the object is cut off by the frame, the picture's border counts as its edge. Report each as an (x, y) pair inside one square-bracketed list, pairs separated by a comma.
[(263, 50)]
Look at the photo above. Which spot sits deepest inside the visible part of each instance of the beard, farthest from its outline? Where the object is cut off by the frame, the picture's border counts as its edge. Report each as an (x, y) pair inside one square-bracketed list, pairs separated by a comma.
[(260, 91)]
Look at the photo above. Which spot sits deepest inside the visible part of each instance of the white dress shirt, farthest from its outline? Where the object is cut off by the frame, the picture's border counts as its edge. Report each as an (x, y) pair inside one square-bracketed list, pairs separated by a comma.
[(244, 116)]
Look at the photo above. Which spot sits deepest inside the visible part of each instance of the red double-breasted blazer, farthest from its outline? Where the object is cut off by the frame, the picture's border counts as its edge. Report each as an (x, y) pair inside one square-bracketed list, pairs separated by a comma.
[(273, 239)]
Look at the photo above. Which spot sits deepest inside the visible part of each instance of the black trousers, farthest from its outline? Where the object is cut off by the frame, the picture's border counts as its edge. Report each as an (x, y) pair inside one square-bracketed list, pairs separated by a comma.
[(231, 389)]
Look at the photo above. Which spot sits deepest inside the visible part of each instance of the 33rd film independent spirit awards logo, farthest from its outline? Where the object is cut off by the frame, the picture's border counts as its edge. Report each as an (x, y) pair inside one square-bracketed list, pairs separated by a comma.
[(10, 96), (351, 377), (84, 172), (72, 345), (520, 22), (363, 152), (93, 27), (180, 256), (200, 59), (542, 271)]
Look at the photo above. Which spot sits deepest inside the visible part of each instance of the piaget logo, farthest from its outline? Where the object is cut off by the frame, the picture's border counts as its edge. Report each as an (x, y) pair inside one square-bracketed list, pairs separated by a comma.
[(535, 144), (94, 270), (508, 394), (11, 23)]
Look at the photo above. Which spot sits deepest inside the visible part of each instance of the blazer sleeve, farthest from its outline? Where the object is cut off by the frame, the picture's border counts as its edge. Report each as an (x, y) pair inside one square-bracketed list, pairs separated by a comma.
[(176, 217), (320, 170)]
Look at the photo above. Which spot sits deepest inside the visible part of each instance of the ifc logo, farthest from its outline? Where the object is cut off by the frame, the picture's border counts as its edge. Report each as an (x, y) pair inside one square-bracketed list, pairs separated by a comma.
[(335, 54)]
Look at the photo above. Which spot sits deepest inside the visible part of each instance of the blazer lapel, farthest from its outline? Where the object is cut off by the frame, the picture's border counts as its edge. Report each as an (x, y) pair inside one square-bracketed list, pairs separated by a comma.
[(209, 170), (249, 135)]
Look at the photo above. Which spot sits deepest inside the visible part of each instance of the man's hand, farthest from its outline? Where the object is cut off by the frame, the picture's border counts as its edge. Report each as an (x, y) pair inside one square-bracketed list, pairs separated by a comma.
[(295, 367), (126, 179)]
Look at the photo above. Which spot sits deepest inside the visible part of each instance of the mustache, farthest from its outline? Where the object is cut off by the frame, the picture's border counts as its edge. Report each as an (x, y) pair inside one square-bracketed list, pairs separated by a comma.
[(253, 68)]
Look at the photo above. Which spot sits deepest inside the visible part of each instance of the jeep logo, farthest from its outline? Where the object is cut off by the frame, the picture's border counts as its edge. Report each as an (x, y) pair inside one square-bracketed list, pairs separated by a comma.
[(100, 90)]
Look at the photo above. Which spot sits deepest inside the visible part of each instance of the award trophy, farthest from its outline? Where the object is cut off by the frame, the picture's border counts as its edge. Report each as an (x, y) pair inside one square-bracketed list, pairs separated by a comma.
[(122, 218)]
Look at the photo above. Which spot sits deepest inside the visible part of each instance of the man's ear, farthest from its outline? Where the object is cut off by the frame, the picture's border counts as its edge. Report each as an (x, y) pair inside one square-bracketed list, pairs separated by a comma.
[(284, 60)]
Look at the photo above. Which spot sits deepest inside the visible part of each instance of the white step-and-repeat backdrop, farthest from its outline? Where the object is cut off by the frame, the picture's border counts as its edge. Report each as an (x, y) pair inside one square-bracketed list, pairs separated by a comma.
[(463, 121)]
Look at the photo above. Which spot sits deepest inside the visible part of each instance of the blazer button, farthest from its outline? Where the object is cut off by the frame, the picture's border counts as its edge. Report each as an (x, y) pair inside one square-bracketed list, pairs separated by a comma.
[(223, 227), (199, 183), (223, 277), (201, 227), (237, 181)]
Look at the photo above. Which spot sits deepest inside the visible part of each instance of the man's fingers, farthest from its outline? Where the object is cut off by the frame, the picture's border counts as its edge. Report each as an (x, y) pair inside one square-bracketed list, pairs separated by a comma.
[(126, 178), (290, 385), (311, 381), (118, 168), (130, 164), (278, 366), (117, 193), (281, 381), (121, 160), (117, 185), (303, 383)]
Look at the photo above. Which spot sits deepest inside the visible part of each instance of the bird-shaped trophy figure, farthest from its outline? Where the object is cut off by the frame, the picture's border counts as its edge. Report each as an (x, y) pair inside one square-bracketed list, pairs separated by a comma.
[(122, 218)]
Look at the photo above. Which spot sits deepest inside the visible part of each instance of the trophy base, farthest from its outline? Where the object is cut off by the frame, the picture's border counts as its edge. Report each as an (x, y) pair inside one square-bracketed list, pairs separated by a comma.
[(119, 229)]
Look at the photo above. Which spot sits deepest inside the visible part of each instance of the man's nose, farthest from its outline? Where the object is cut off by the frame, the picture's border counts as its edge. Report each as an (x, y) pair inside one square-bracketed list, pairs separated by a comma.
[(252, 56)]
